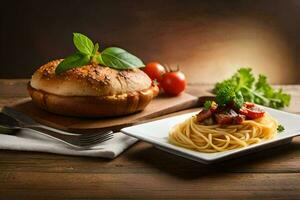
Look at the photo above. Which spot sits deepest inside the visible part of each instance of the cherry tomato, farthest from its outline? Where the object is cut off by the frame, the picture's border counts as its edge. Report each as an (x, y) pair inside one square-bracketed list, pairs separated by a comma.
[(249, 104), (155, 71), (173, 83), (253, 112), (244, 111)]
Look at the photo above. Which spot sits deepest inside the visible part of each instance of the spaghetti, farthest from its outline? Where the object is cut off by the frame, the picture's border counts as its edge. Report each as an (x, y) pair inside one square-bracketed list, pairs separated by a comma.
[(217, 138)]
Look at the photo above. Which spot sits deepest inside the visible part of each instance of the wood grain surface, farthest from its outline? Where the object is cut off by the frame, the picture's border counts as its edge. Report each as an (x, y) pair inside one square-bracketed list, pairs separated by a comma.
[(144, 172)]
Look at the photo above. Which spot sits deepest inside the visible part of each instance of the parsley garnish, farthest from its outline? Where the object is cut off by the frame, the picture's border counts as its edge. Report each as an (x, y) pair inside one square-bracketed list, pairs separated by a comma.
[(258, 91), (207, 105), (280, 128), (227, 94)]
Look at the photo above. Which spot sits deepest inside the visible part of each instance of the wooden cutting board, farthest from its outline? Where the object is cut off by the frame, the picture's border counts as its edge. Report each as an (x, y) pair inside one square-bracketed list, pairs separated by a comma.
[(161, 105)]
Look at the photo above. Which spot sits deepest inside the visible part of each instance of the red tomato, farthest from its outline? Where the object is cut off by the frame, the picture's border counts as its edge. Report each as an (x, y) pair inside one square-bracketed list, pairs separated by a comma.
[(173, 83), (249, 105), (253, 112), (155, 71), (244, 111)]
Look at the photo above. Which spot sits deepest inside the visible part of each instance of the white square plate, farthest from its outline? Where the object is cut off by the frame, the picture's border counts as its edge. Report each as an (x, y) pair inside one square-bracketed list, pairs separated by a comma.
[(156, 133)]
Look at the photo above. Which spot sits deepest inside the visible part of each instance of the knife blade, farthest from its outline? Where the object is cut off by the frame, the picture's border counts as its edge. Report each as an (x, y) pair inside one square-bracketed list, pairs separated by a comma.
[(19, 116)]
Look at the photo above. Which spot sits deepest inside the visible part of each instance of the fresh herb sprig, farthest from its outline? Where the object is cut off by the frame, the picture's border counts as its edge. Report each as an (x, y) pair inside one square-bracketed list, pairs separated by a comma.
[(207, 105), (280, 128), (88, 52), (258, 91), (227, 94)]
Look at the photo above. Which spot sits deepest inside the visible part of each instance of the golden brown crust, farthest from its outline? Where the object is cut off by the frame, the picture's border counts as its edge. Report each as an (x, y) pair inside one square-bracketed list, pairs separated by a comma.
[(93, 106), (89, 80)]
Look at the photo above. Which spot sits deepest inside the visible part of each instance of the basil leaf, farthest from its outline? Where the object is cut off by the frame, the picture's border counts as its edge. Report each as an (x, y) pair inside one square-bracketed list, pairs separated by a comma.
[(75, 60), (118, 58), (83, 43)]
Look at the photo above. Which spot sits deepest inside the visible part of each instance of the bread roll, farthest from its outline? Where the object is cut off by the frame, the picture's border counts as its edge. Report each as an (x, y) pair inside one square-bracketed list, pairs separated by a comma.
[(91, 91)]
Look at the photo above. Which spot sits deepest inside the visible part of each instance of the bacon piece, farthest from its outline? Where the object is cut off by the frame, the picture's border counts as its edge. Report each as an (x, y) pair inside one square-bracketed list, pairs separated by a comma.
[(203, 114), (239, 119), (229, 118), (224, 119)]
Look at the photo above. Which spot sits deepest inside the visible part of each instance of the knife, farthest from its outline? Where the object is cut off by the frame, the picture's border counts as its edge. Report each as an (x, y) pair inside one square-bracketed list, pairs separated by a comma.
[(29, 122), (19, 116)]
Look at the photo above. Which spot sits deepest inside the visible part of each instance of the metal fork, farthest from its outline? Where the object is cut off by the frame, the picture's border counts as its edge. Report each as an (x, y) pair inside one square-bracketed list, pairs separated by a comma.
[(81, 141)]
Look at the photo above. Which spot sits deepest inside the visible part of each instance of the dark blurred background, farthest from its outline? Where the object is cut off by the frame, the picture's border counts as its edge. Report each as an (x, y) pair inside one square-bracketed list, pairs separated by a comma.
[(209, 40)]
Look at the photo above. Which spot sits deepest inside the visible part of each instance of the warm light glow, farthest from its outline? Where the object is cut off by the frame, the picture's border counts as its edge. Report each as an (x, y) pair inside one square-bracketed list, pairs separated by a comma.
[(218, 49)]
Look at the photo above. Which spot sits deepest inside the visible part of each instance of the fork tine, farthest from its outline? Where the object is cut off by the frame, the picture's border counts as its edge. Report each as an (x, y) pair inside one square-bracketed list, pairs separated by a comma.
[(96, 142), (93, 145), (92, 135), (91, 140)]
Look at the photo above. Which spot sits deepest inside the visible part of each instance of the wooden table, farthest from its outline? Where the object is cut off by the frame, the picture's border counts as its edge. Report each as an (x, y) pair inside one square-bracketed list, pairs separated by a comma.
[(144, 171)]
